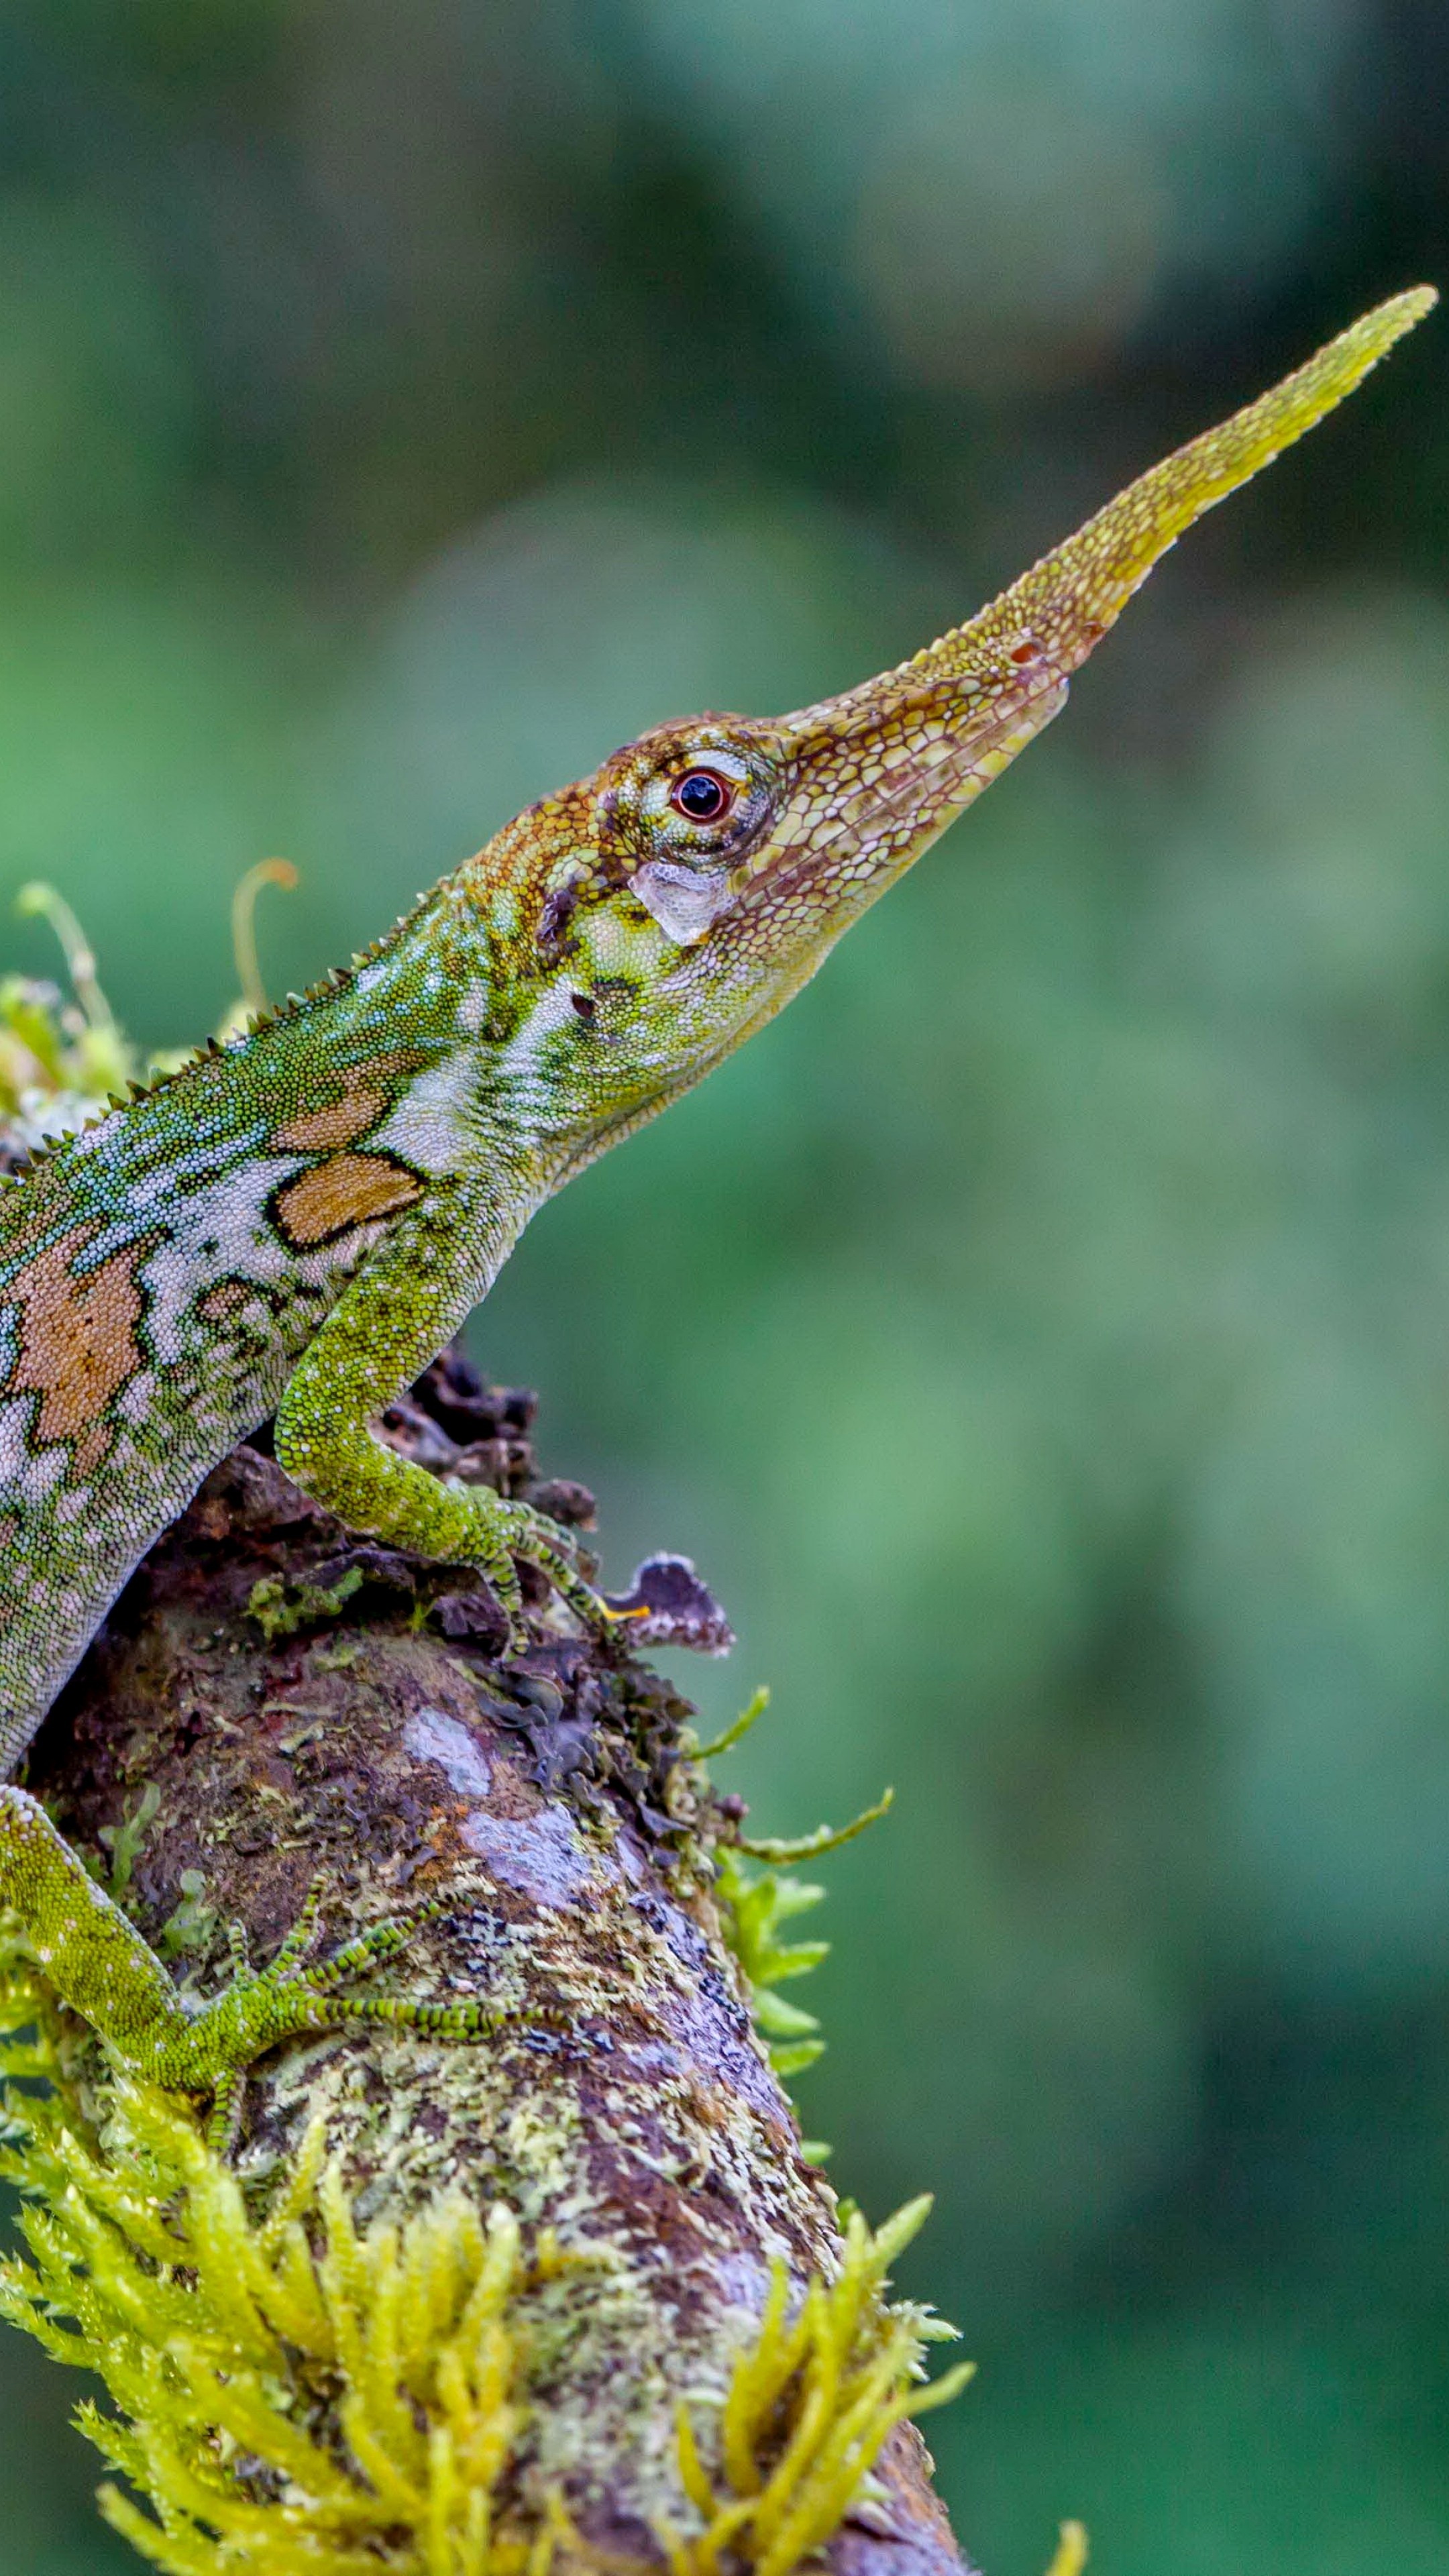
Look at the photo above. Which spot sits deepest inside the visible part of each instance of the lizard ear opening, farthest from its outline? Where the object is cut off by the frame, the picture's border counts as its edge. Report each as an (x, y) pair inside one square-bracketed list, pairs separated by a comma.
[(686, 902)]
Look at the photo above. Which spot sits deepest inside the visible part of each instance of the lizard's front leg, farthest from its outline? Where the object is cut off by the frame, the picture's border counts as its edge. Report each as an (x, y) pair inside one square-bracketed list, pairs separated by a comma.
[(401, 1308)]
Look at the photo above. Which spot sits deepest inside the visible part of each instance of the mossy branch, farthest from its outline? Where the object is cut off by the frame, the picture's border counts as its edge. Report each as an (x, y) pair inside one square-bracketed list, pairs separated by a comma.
[(428, 2317), (216, 2332)]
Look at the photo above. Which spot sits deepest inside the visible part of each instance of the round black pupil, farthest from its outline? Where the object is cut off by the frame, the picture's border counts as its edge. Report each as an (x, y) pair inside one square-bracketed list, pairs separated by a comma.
[(701, 796)]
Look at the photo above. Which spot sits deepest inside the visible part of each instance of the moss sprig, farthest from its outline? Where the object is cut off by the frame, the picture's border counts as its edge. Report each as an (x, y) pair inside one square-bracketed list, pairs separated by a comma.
[(810, 2402), (754, 1906), (756, 1901), (280, 1608)]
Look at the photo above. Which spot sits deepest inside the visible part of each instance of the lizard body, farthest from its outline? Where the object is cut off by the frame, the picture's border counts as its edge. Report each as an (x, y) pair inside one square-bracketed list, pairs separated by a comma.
[(299, 1220), (163, 1271)]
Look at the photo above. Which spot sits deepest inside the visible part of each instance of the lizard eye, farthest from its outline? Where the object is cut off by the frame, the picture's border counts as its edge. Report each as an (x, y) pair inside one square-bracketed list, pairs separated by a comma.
[(702, 795)]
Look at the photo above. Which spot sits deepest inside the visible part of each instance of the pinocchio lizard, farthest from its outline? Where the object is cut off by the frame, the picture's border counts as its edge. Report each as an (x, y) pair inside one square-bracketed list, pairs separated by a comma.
[(297, 1221)]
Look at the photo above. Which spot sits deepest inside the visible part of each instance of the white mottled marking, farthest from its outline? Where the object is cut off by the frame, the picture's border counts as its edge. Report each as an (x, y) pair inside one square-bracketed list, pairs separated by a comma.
[(472, 1008), (172, 1174), (14, 1445), (137, 1397), (530, 1094), (432, 1126), (232, 1213), (41, 1474)]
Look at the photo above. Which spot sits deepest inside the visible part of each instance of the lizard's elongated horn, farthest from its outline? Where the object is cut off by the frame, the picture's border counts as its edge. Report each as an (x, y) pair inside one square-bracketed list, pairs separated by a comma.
[(1075, 593), (890, 763)]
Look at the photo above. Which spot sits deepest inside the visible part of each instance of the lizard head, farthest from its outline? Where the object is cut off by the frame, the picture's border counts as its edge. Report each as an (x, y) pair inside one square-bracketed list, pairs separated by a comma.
[(674, 901)]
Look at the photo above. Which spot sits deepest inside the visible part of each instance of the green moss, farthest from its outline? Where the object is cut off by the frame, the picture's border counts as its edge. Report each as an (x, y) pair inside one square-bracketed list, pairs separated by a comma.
[(293, 2392), (52, 1050), (755, 1902), (281, 1608), (825, 1838), (290, 2393), (124, 1841), (811, 2400)]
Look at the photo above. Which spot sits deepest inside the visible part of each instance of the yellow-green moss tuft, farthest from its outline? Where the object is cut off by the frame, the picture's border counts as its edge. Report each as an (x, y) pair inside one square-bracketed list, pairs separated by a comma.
[(292, 2394), (810, 2402)]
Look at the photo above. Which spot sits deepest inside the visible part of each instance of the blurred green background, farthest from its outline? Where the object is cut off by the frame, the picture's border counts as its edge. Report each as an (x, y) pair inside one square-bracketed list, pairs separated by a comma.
[(1041, 1335)]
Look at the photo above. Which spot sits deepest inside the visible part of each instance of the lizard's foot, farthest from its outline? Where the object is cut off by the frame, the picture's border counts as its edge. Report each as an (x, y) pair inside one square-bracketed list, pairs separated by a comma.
[(516, 1531), (94, 1957), (261, 2006)]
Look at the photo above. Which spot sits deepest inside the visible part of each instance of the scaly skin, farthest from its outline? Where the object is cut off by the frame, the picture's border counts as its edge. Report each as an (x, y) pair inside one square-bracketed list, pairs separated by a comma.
[(300, 1220)]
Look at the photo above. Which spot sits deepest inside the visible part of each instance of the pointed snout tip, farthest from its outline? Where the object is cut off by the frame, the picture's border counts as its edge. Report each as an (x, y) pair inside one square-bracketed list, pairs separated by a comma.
[(1411, 306), (1374, 333), (1078, 591), (1025, 643)]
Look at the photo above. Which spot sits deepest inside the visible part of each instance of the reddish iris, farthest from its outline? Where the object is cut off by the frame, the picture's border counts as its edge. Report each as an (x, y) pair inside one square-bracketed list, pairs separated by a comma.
[(1024, 652), (702, 796)]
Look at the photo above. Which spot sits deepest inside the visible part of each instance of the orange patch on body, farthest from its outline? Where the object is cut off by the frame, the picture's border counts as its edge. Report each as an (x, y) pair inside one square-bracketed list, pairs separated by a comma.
[(78, 1342), (318, 1131), (91, 1448), (363, 1100), (347, 1190), (223, 1300)]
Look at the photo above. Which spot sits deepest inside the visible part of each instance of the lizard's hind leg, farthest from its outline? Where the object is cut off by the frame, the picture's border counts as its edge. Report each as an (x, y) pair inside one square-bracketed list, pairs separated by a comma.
[(98, 1963), (86, 1947)]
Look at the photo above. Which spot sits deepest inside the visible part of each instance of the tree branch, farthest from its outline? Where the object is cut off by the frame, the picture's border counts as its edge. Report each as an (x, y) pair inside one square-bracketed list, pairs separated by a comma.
[(628, 2361)]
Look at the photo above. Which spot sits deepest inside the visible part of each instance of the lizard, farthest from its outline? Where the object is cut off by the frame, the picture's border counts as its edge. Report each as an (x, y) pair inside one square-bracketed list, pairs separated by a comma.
[(296, 1221)]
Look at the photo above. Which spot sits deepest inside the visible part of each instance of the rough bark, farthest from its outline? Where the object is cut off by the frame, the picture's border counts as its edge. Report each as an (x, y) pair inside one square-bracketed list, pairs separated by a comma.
[(377, 1744)]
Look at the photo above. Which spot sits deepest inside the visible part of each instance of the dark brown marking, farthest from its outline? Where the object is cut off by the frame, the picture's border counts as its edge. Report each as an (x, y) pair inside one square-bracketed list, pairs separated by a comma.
[(347, 1190)]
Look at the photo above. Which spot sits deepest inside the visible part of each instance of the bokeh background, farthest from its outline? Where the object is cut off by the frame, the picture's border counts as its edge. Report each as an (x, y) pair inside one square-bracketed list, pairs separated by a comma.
[(1041, 1335)]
